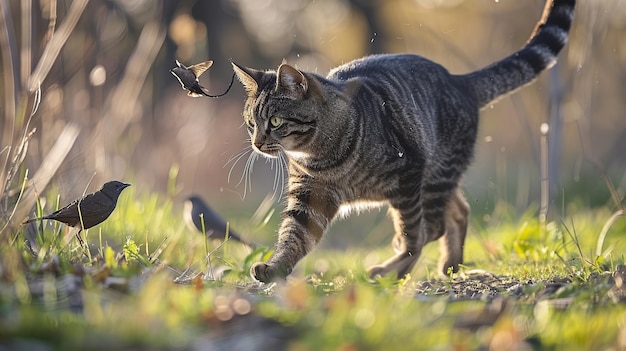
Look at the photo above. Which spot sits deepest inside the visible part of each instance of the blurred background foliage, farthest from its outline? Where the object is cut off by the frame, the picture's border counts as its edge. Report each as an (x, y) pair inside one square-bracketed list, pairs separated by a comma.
[(131, 121)]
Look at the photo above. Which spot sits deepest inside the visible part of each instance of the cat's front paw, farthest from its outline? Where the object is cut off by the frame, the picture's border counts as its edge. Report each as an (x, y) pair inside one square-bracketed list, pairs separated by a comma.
[(376, 271), (382, 270), (268, 273)]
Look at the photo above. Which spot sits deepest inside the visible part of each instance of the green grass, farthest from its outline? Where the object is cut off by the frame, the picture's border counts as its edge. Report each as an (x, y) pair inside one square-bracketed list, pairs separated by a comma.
[(123, 295)]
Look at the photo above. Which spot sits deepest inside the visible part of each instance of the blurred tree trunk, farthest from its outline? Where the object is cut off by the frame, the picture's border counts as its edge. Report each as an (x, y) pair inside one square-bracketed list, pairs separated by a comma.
[(163, 76), (370, 11), (215, 19)]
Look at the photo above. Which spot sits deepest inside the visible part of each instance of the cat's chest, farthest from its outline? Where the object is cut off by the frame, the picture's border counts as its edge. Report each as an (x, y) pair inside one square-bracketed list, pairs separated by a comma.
[(363, 186)]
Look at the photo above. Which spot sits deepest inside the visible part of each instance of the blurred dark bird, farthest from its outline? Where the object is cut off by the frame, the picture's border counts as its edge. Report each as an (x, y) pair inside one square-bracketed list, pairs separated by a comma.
[(214, 224), (94, 208), (188, 77)]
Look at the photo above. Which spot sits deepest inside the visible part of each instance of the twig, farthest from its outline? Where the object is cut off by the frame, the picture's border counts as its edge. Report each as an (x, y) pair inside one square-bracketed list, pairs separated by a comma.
[(9, 64), (605, 229), (17, 201), (125, 96), (574, 238), (57, 41), (157, 252), (20, 154), (206, 258), (52, 23), (27, 38), (48, 168)]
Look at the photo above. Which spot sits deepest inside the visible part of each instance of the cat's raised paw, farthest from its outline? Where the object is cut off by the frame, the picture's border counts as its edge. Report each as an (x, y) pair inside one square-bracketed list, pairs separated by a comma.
[(268, 273)]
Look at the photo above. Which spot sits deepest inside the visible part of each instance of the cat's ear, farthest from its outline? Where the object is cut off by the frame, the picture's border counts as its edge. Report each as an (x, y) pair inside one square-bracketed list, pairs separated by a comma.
[(249, 77), (290, 81)]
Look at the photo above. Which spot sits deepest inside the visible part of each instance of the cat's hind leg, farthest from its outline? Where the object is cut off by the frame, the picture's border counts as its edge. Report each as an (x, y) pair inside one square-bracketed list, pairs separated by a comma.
[(444, 209), (451, 244)]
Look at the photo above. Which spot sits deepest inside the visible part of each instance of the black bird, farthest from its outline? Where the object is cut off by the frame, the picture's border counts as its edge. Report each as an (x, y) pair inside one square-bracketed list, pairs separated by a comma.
[(214, 224), (94, 208), (188, 77)]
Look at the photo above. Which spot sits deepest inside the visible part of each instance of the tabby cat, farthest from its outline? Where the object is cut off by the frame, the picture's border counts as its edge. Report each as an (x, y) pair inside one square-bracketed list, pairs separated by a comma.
[(395, 130)]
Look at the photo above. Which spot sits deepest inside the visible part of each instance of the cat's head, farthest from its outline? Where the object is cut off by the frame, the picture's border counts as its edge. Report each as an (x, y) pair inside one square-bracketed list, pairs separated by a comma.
[(283, 109)]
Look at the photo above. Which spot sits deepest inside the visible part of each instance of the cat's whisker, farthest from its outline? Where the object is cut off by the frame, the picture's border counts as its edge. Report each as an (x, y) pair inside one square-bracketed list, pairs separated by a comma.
[(274, 166), (279, 176), (285, 174), (246, 177), (235, 160), (238, 155)]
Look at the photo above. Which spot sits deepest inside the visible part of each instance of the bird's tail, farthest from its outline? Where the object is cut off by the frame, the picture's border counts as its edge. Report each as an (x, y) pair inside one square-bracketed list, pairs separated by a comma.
[(32, 220)]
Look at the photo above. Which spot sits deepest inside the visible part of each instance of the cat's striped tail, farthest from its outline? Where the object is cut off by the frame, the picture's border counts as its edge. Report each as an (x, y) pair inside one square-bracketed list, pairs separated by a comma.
[(522, 67)]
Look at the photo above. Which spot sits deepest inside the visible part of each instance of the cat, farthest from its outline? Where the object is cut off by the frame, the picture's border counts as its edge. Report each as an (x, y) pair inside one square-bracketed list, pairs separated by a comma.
[(391, 129)]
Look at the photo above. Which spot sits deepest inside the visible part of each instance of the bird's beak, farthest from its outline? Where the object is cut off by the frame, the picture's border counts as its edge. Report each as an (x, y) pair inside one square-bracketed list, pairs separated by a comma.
[(126, 185)]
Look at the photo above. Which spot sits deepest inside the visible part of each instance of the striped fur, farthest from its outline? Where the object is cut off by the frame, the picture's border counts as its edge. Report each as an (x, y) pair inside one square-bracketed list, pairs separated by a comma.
[(384, 129)]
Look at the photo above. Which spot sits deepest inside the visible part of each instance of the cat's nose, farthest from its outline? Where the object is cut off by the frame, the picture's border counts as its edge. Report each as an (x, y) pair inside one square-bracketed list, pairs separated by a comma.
[(259, 145)]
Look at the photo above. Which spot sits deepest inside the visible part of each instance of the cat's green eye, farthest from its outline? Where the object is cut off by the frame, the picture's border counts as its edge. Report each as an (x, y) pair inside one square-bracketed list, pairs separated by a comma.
[(276, 121)]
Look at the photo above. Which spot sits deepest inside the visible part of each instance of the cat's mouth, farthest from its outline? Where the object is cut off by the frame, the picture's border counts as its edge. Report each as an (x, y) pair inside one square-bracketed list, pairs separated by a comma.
[(269, 150)]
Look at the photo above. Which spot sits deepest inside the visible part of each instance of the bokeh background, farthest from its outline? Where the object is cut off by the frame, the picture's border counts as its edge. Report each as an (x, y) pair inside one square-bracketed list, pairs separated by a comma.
[(110, 82)]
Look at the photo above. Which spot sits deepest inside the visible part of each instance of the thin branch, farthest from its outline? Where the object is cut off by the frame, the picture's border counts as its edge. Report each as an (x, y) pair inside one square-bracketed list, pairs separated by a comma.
[(605, 229), (9, 74), (52, 50), (27, 40), (48, 168)]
